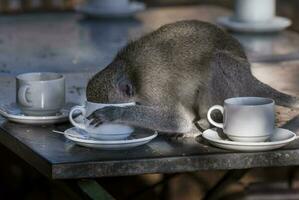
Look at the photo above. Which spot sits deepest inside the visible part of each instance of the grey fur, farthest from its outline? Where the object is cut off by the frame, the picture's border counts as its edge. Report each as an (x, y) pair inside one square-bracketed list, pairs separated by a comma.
[(175, 74)]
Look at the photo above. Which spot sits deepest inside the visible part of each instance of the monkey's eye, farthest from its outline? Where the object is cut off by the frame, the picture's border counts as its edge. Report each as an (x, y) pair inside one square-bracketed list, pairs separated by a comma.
[(129, 90), (125, 87)]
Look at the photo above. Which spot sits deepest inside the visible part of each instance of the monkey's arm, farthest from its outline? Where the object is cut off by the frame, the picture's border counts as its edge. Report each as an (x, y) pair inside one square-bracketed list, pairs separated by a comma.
[(169, 120)]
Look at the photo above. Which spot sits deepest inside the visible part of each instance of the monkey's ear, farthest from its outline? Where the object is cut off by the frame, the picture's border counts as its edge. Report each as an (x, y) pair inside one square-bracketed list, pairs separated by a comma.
[(125, 87)]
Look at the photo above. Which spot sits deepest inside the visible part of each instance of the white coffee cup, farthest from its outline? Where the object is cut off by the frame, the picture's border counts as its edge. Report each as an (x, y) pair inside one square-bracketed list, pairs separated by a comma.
[(246, 119), (106, 131), (40, 94), (254, 10)]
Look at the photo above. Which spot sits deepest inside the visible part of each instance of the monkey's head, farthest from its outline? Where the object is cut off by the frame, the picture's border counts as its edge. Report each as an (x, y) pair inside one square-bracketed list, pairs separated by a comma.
[(111, 85)]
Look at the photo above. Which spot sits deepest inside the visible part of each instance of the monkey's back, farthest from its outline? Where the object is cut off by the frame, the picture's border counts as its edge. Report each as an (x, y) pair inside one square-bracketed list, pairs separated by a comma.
[(173, 61), (176, 74)]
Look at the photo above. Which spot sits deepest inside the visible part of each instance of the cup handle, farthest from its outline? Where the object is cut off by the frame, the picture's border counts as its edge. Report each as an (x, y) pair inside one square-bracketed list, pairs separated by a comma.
[(83, 111), (216, 107), (22, 95)]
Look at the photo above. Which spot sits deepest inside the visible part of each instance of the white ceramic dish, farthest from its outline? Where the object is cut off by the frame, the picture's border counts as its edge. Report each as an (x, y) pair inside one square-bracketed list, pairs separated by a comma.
[(13, 113), (276, 24), (280, 138), (81, 138), (95, 11)]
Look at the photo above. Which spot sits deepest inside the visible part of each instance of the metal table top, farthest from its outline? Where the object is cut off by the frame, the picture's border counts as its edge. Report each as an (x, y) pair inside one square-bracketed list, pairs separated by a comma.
[(77, 47)]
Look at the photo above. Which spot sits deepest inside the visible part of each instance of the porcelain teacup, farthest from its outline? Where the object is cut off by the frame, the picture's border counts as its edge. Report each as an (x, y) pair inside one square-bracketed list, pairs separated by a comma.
[(254, 10), (106, 131), (40, 94), (246, 119)]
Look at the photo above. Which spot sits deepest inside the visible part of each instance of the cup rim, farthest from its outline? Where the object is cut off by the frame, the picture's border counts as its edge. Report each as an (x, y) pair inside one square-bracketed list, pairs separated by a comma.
[(112, 104), (264, 101), (24, 75)]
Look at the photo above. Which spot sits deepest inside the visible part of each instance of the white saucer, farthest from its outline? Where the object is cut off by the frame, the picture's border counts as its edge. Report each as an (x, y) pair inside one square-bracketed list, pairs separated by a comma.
[(280, 138), (95, 11), (13, 113), (277, 24), (81, 137)]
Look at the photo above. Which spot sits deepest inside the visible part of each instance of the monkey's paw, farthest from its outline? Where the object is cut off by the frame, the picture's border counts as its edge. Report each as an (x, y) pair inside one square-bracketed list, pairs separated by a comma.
[(104, 115)]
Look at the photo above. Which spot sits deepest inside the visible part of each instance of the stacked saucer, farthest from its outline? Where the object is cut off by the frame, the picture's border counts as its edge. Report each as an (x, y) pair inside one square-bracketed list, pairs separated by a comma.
[(275, 25), (12, 112), (281, 137)]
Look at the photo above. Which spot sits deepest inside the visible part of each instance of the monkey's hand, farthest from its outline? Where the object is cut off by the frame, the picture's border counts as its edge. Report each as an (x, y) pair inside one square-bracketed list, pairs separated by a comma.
[(109, 114)]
